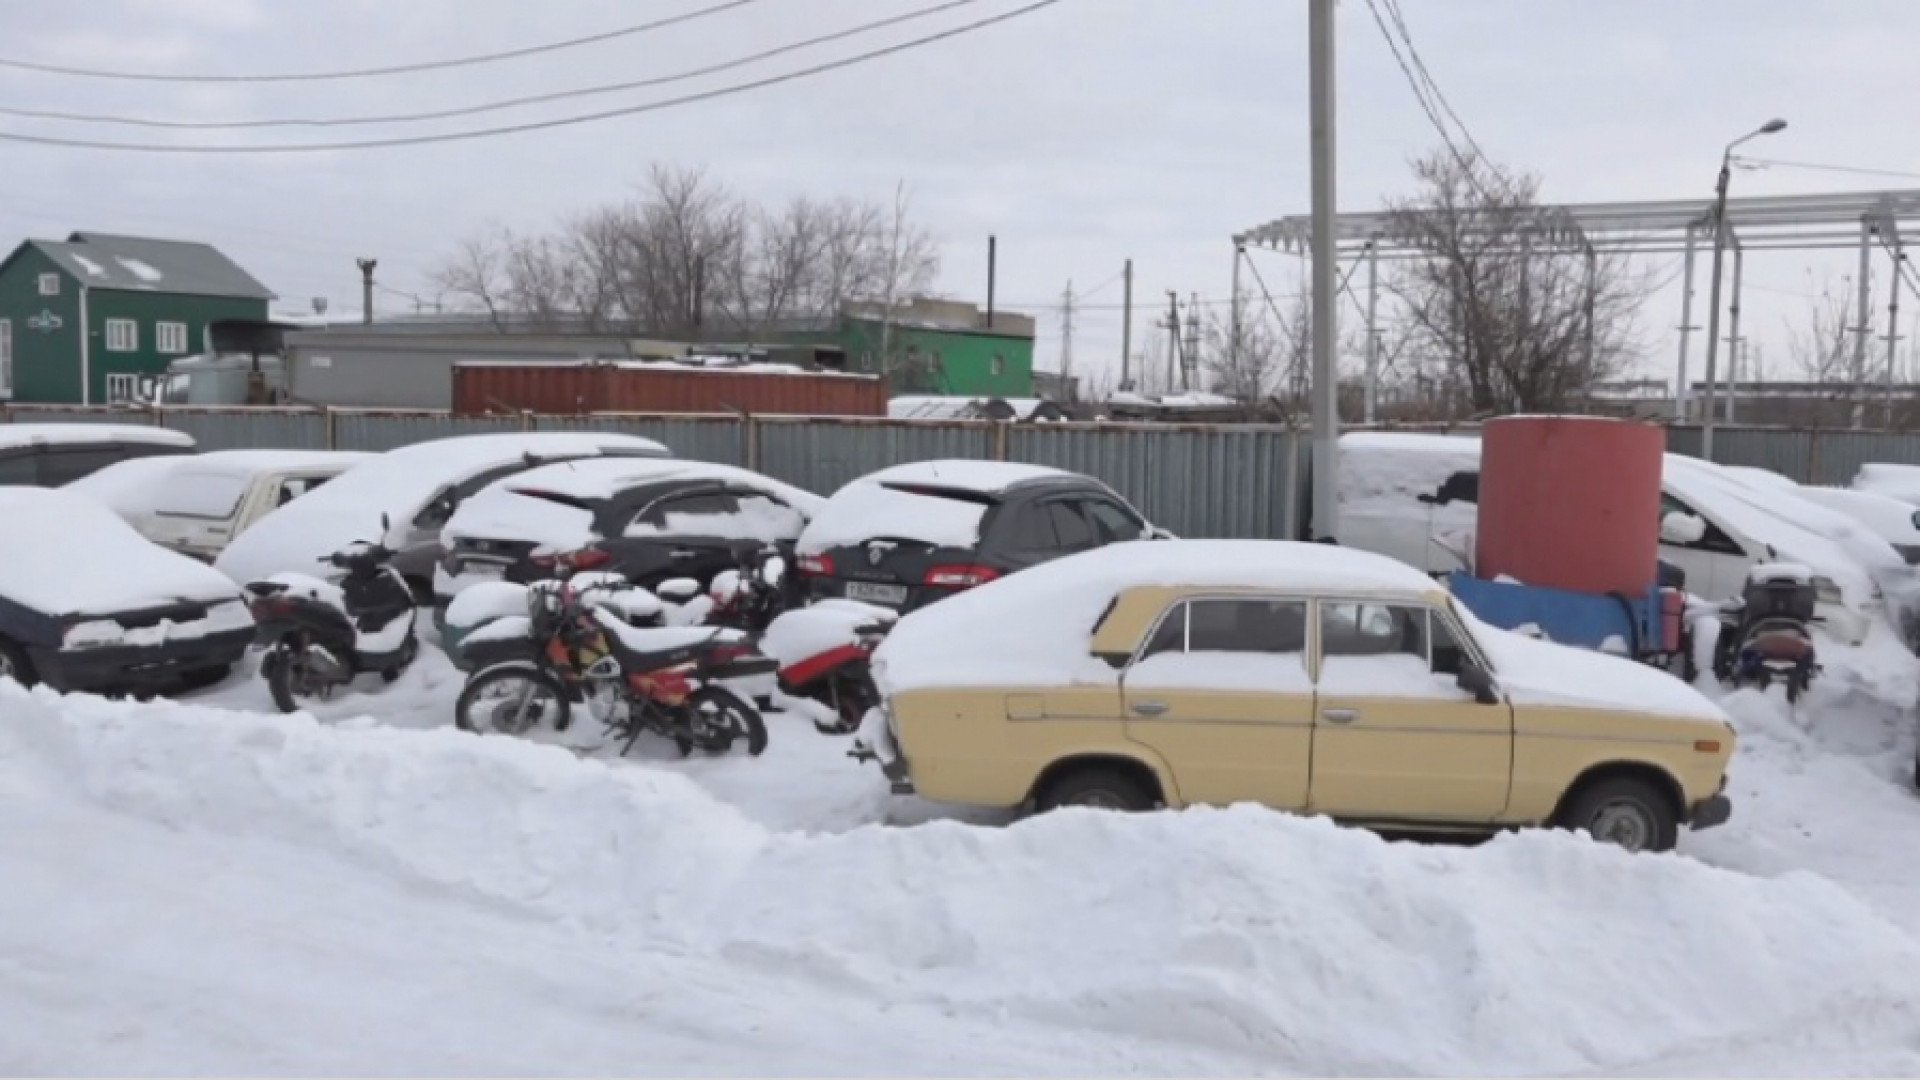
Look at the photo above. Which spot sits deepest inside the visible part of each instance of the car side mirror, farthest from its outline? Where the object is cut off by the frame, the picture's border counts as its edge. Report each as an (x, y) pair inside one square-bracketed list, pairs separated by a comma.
[(1478, 681), (1679, 527), (1155, 532)]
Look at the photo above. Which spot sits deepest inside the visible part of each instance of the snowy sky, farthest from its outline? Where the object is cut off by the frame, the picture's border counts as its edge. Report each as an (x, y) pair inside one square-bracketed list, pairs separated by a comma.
[(1083, 134)]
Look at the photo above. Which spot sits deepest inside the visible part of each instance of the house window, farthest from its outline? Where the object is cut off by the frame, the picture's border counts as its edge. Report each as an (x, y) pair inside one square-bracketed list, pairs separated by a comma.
[(999, 364), (170, 338), (123, 335), (6, 357), (123, 389), (49, 284)]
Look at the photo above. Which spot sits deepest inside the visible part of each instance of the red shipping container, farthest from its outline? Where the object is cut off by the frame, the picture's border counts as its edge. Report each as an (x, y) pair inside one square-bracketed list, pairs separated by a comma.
[(567, 389), (1571, 502)]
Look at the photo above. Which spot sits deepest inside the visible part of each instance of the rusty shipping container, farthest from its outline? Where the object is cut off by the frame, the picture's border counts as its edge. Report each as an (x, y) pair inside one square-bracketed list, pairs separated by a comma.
[(636, 387)]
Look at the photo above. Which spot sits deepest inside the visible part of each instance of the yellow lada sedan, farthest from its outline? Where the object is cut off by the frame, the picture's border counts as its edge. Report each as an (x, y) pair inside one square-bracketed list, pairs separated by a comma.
[(1304, 677)]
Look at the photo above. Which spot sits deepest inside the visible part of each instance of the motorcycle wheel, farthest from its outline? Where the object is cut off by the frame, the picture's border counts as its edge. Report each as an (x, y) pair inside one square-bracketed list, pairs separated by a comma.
[(849, 695), (286, 679), (729, 719), (532, 696)]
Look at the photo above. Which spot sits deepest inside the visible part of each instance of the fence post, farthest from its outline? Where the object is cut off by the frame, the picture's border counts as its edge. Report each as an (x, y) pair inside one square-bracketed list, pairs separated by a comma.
[(750, 434), (1292, 519), (999, 440), (1813, 456), (333, 439), (526, 419)]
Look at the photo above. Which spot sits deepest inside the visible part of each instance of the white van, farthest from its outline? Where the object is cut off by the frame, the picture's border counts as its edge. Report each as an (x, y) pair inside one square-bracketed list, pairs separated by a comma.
[(197, 504), (1415, 498)]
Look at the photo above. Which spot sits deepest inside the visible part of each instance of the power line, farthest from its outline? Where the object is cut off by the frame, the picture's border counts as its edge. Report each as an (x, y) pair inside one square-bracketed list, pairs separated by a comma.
[(377, 72), (1433, 86), (1767, 162), (486, 107), (533, 125), (1419, 89)]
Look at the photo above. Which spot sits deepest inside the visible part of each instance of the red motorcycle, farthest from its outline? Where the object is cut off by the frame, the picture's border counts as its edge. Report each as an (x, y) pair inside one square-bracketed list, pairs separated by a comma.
[(825, 654)]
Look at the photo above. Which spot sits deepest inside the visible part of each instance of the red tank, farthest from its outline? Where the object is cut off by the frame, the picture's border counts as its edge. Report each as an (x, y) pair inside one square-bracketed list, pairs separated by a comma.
[(1571, 502)]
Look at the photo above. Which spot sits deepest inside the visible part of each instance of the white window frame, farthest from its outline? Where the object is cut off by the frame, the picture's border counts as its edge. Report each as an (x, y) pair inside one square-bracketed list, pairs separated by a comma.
[(6, 358), (123, 388), (49, 284), (170, 338), (123, 335)]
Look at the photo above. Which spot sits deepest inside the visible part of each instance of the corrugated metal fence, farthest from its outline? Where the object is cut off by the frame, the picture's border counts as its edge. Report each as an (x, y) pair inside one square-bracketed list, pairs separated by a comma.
[(1198, 480)]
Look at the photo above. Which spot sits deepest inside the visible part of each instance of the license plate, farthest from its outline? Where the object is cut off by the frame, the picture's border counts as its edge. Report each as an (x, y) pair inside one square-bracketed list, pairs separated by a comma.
[(878, 594)]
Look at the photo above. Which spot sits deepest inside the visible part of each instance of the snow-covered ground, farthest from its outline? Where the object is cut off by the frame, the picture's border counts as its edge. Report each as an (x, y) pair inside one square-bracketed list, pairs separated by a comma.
[(205, 887)]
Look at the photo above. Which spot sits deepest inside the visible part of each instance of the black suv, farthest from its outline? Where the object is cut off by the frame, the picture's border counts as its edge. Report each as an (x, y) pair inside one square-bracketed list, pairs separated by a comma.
[(907, 536)]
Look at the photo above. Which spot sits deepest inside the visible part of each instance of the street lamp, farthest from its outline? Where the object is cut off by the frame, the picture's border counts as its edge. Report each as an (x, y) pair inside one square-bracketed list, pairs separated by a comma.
[(1719, 254)]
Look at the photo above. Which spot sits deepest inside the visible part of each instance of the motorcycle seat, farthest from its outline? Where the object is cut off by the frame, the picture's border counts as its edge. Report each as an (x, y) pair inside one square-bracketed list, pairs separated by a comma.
[(646, 649)]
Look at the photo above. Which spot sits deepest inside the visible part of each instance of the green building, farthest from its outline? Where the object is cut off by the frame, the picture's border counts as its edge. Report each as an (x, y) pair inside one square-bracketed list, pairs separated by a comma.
[(96, 319), (928, 346)]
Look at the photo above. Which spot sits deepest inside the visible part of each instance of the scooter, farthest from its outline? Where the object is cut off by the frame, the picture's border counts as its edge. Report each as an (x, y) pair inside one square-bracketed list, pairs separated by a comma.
[(1766, 634), (825, 653), (319, 636)]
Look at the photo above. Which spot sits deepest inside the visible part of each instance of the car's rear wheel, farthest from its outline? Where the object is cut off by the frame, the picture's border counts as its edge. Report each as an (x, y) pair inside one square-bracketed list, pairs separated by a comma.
[(1627, 811), (1096, 787), (15, 665)]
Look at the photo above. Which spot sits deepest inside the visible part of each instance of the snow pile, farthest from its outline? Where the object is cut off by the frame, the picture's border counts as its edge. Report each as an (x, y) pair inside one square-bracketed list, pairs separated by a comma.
[(63, 554), (1213, 941)]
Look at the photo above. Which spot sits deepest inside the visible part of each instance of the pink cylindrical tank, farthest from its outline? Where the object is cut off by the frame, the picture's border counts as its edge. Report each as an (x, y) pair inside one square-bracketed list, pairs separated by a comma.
[(1571, 502)]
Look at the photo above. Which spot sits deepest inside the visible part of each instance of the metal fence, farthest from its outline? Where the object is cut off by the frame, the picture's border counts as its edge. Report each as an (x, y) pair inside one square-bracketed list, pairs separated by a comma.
[(1198, 480)]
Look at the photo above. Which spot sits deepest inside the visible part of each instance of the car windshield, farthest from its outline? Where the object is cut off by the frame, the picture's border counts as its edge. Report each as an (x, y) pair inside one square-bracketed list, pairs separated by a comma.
[(864, 511)]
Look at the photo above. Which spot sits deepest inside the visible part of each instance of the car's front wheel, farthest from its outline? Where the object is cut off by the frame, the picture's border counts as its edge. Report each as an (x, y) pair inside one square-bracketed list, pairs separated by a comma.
[(15, 665), (1096, 787), (1624, 810)]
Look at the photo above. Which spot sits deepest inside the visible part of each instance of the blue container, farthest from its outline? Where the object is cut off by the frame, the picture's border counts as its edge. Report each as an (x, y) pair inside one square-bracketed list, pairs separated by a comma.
[(1569, 618)]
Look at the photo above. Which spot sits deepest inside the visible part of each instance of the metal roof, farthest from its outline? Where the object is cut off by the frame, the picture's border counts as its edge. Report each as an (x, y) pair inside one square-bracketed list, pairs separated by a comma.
[(138, 264)]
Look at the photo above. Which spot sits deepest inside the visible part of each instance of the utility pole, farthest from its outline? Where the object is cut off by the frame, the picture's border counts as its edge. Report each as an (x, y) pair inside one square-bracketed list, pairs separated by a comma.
[(1893, 325), (1126, 332), (1234, 345), (1190, 362), (1326, 394), (1173, 335), (366, 288), (1681, 390), (1066, 339), (1864, 328), (1373, 329)]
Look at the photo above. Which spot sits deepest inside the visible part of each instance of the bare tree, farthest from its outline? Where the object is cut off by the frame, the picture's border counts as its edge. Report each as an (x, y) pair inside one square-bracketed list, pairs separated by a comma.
[(688, 258), (1506, 300), (1268, 361)]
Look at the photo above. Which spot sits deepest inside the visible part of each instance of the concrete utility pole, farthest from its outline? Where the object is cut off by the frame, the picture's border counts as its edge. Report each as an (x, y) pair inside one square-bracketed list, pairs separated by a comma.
[(1859, 373), (1190, 362), (1734, 339), (1681, 391), (1173, 336), (1066, 338), (366, 288), (1373, 329), (1126, 331), (1893, 325), (1326, 391), (1234, 347), (1720, 235)]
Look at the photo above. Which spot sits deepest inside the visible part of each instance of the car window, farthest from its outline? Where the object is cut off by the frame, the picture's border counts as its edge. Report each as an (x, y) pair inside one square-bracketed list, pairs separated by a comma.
[(685, 514), (20, 468), (295, 486), (1228, 644), (1388, 651), (64, 465), (1070, 527), (1714, 539), (735, 515), (1113, 523), (1028, 528)]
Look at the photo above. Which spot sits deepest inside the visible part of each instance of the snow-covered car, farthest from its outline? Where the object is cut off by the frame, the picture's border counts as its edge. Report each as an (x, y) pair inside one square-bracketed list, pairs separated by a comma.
[(1894, 481), (1305, 677), (907, 536), (654, 520), (49, 455), (1893, 520), (1414, 498), (416, 488), (197, 504), (86, 603)]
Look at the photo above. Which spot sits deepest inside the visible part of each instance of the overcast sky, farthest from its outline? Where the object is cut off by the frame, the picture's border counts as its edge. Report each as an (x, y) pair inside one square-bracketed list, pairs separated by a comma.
[(1083, 134)]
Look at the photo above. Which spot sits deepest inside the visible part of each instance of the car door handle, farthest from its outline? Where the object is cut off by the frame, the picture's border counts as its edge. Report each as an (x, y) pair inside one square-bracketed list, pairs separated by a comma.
[(1149, 708), (1339, 716)]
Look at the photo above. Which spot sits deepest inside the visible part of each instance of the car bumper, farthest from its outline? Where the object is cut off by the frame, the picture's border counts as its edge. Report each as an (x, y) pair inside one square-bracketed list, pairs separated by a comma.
[(110, 669), (1710, 812)]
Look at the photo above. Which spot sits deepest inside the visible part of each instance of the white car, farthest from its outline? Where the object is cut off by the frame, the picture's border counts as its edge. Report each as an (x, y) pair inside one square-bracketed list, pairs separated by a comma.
[(198, 504), (415, 489), (1894, 520)]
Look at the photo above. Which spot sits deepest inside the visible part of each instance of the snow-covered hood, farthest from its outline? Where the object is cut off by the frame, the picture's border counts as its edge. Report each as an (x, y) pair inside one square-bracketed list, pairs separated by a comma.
[(1541, 673)]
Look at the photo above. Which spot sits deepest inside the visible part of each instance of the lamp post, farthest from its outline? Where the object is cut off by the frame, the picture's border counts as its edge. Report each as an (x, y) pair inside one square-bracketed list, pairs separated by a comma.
[(1719, 255)]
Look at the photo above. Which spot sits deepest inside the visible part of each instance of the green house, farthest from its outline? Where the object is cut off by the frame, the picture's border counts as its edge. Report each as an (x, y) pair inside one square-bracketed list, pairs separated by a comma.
[(928, 346), (96, 319)]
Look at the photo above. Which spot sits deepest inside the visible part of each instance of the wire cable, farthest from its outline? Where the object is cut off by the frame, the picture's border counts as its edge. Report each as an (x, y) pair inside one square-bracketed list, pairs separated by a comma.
[(379, 72), (487, 107), (1770, 162), (532, 125), (1433, 85)]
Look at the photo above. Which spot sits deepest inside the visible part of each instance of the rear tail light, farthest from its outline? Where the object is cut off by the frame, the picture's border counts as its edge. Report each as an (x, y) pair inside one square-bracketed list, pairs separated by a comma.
[(960, 577), (815, 565), (723, 654), (592, 558), (271, 607)]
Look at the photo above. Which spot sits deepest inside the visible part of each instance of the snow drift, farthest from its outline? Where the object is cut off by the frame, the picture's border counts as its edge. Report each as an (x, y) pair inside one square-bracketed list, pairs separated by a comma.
[(1220, 941)]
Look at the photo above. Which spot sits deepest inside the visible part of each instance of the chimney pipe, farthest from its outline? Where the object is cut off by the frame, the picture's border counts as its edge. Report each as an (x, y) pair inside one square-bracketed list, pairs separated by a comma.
[(993, 258)]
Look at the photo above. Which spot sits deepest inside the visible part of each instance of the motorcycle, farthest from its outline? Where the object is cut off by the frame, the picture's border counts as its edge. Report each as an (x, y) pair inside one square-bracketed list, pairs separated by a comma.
[(825, 653), (571, 650), (320, 636), (1766, 634)]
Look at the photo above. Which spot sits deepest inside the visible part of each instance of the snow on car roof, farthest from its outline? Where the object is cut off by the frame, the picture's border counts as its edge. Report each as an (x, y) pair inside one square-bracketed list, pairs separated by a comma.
[(1895, 481), (398, 484), (983, 477), (1034, 628), (18, 435), (64, 554), (144, 485), (1893, 520)]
